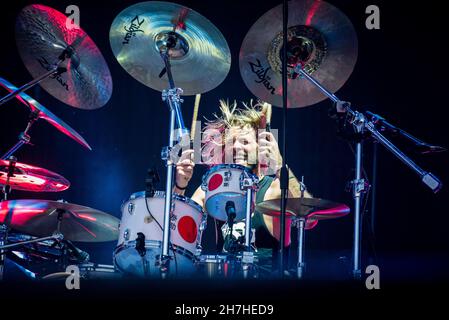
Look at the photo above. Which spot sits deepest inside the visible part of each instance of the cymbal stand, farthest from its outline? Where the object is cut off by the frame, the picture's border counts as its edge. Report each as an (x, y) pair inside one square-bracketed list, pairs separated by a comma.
[(249, 184), (55, 71), (300, 223), (362, 125), (173, 100), (24, 137), (4, 228)]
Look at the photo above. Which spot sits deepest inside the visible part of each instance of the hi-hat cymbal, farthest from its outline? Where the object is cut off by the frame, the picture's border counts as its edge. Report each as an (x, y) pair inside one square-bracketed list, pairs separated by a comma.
[(311, 208), (42, 35), (200, 61), (320, 37), (40, 218), (44, 113), (30, 178)]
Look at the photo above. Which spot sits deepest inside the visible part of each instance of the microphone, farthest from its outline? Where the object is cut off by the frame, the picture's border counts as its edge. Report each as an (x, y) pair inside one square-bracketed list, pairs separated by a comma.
[(231, 244), (230, 211), (80, 255), (140, 244)]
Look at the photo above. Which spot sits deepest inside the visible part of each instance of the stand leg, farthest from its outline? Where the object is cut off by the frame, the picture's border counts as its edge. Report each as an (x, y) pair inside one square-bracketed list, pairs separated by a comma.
[(301, 223), (3, 239), (248, 220), (248, 256), (165, 259), (358, 188)]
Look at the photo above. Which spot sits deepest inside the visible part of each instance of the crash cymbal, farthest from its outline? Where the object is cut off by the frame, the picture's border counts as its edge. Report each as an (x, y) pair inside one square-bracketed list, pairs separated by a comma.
[(30, 178), (40, 218), (44, 113), (42, 36), (320, 37), (312, 208), (200, 61)]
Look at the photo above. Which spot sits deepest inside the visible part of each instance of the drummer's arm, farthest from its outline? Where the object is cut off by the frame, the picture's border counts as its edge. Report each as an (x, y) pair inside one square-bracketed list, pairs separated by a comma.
[(199, 196)]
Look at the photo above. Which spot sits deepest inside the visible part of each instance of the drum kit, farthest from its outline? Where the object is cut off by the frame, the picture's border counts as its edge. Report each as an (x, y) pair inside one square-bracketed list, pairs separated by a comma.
[(158, 43)]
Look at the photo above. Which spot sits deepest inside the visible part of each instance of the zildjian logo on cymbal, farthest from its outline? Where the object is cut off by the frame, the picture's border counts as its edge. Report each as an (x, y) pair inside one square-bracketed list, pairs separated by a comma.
[(261, 73), (132, 29), (44, 63)]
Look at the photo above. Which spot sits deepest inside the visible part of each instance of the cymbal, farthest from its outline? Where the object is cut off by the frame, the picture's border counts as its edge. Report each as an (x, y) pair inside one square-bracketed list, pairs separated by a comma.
[(31, 178), (320, 37), (200, 61), (42, 36), (311, 208), (44, 113), (39, 218)]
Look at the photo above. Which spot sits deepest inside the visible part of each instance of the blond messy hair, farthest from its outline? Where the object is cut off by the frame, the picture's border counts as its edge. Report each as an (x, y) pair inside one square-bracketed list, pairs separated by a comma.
[(254, 115)]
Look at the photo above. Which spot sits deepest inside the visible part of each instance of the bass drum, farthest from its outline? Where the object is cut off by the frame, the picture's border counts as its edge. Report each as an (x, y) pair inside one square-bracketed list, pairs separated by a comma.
[(140, 239)]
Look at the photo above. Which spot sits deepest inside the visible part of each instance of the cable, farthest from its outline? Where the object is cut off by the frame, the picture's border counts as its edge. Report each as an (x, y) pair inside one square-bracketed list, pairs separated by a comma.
[(170, 244)]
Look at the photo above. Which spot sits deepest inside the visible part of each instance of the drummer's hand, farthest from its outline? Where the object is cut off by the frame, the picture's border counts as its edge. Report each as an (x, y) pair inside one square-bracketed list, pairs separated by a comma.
[(270, 158), (184, 168)]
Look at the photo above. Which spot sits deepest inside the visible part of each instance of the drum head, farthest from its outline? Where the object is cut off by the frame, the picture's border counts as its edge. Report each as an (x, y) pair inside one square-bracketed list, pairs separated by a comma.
[(130, 262), (216, 205)]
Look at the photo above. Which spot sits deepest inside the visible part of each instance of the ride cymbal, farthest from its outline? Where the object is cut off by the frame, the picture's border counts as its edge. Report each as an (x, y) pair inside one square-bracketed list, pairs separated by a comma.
[(42, 35), (320, 37)]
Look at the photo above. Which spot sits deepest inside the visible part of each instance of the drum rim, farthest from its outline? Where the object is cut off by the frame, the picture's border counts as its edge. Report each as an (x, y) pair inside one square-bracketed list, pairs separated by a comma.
[(227, 165), (218, 167), (161, 194)]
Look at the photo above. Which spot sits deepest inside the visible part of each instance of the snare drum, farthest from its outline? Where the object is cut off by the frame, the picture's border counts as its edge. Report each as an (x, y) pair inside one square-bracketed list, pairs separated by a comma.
[(228, 182), (146, 216)]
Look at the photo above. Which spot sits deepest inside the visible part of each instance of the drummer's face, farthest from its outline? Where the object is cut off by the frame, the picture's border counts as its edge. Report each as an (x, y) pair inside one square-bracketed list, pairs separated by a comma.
[(241, 146)]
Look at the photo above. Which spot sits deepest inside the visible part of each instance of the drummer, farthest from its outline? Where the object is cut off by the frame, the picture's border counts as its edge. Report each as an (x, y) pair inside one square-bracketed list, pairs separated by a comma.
[(241, 133)]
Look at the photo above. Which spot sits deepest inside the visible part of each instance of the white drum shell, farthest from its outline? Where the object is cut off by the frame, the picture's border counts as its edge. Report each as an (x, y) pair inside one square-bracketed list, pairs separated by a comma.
[(224, 183), (187, 217)]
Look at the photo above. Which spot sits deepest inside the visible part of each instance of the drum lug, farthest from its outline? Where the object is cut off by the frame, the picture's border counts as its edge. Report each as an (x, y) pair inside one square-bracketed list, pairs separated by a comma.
[(126, 234), (248, 181), (204, 184), (131, 208), (199, 249)]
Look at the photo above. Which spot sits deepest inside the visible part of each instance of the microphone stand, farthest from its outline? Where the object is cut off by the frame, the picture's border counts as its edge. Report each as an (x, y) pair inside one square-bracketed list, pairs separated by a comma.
[(363, 125), (284, 171)]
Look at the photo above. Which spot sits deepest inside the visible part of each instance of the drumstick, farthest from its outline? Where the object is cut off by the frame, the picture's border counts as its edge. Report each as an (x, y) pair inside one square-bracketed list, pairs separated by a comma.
[(268, 118), (195, 115)]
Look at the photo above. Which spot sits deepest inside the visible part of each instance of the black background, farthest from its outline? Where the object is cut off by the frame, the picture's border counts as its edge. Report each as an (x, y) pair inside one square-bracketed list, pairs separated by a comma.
[(401, 73)]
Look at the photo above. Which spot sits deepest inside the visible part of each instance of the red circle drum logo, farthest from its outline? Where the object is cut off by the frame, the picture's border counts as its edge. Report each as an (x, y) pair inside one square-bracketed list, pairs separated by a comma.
[(215, 181), (187, 229)]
